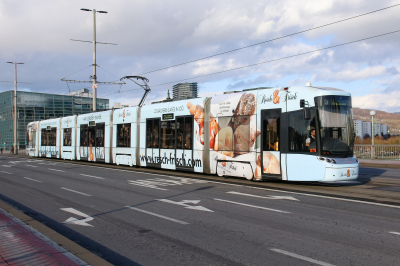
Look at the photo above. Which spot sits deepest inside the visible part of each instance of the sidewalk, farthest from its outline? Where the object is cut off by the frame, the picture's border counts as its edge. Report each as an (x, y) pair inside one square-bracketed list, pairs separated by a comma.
[(20, 244), (25, 242), (379, 163)]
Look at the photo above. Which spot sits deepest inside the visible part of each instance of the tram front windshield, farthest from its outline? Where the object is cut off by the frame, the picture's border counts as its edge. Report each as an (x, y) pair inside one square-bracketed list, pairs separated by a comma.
[(335, 125)]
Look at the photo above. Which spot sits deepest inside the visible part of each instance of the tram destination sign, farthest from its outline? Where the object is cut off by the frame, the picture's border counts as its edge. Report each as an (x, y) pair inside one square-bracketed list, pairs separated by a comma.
[(92, 123), (168, 116)]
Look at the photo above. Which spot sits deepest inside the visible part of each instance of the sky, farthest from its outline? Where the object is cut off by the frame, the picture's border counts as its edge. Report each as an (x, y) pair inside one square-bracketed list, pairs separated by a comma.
[(155, 34)]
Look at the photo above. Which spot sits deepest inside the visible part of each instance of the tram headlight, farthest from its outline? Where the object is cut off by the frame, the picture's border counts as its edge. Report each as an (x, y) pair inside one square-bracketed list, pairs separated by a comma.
[(321, 158), (328, 160), (333, 161)]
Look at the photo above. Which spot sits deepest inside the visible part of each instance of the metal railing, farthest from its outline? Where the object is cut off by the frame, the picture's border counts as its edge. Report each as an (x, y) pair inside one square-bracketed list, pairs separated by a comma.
[(382, 152)]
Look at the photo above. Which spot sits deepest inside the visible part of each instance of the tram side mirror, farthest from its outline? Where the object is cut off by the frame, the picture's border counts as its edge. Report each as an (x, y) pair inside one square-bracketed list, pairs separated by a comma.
[(307, 113), (306, 109)]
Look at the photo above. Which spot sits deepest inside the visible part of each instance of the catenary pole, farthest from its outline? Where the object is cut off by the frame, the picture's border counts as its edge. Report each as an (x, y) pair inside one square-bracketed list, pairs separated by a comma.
[(94, 62)]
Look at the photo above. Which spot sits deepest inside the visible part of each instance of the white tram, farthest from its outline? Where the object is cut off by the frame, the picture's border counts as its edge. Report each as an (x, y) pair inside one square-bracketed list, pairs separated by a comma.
[(294, 134)]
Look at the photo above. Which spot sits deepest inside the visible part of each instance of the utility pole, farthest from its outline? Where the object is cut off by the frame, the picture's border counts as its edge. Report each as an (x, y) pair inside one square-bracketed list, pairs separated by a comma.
[(94, 77), (15, 104), (372, 113), (94, 86)]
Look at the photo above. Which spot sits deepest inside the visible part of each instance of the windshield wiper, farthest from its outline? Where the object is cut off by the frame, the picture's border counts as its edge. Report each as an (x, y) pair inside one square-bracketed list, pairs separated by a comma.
[(349, 147)]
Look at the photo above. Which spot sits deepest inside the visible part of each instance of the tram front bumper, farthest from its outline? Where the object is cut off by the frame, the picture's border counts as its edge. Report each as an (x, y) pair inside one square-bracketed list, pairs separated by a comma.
[(349, 172)]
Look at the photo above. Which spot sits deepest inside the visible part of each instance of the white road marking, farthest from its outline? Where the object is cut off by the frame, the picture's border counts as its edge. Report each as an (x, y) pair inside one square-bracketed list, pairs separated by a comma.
[(395, 233), (262, 197), (73, 220), (185, 204), (281, 191), (93, 176), (6, 172), (76, 191), (157, 215), (6, 165), (30, 165), (235, 185), (301, 257), (41, 163), (253, 206), (143, 185), (156, 183), (57, 170), (33, 179), (328, 197)]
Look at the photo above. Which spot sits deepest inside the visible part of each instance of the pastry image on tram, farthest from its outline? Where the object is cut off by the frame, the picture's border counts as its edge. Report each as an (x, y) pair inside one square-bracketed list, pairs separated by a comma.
[(271, 163)]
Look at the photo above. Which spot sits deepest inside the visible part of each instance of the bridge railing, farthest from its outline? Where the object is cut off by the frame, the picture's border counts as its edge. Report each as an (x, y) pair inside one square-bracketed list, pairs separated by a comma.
[(383, 152)]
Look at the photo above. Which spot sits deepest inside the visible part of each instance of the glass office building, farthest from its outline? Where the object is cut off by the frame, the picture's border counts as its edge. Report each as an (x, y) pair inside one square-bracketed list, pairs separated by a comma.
[(183, 91), (32, 106)]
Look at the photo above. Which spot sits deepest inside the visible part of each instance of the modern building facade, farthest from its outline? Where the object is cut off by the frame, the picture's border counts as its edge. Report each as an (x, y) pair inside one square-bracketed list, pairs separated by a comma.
[(367, 128), (182, 91), (358, 128), (32, 106), (363, 128)]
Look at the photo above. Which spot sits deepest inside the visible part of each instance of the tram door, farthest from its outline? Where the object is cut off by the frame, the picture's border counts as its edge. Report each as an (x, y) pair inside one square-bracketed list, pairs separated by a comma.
[(92, 142), (270, 143), (184, 143), (153, 142)]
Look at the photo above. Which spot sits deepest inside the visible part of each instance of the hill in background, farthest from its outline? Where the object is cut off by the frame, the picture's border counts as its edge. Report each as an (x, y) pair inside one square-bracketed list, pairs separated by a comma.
[(381, 117)]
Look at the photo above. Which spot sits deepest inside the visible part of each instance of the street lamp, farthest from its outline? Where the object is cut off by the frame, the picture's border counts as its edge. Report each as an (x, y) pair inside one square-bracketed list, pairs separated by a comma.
[(15, 104), (94, 86), (372, 113)]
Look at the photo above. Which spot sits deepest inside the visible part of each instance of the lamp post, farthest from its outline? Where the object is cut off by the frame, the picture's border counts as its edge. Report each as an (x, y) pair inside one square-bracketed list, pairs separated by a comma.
[(372, 113), (15, 104), (94, 86)]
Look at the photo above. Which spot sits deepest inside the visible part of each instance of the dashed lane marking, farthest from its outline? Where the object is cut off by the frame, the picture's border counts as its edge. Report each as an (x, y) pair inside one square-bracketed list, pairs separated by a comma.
[(262, 197), (71, 190), (6, 172), (158, 215), (252, 206), (30, 165), (327, 197), (56, 170), (33, 179), (93, 176), (395, 233), (6, 165), (301, 257)]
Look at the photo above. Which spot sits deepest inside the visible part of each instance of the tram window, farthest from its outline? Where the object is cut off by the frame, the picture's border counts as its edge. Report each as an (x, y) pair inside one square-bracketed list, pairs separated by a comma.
[(302, 132), (51, 136), (153, 133), (188, 132), (99, 135), (84, 136), (33, 136), (270, 129), (168, 134), (184, 132), (124, 135), (67, 136), (180, 123), (44, 137)]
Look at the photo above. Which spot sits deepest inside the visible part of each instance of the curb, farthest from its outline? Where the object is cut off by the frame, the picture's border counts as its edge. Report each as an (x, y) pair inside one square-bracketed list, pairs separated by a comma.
[(378, 165), (60, 240)]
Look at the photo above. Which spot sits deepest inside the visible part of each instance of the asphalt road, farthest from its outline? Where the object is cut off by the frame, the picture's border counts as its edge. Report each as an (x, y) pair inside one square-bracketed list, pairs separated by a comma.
[(136, 218)]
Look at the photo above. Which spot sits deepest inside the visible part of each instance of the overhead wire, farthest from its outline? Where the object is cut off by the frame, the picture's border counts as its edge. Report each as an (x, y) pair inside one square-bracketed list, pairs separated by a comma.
[(252, 45), (278, 59), (77, 71)]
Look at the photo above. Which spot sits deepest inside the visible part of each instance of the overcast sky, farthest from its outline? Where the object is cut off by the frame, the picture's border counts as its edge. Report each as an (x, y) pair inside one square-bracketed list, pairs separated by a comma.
[(156, 34)]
